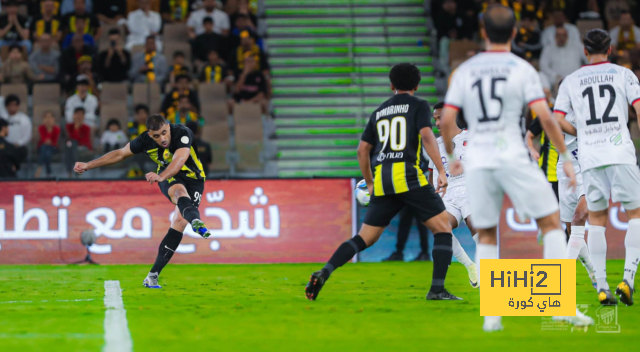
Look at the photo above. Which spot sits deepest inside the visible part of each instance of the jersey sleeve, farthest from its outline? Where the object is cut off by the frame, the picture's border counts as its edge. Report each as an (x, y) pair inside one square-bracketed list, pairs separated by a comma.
[(369, 135), (536, 127), (136, 144), (183, 138), (423, 116), (532, 86), (563, 101), (632, 87), (455, 93)]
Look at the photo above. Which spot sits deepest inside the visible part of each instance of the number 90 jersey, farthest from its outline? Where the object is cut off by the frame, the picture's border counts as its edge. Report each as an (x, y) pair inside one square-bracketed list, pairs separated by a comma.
[(493, 89), (600, 95), (394, 131)]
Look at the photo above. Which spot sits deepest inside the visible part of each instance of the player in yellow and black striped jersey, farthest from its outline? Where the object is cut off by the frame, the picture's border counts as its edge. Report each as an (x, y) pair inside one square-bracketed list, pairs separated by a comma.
[(390, 147), (180, 176), (548, 155)]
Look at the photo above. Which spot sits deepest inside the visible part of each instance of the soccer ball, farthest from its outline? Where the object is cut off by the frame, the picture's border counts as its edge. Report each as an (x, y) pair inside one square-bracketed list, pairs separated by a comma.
[(362, 193)]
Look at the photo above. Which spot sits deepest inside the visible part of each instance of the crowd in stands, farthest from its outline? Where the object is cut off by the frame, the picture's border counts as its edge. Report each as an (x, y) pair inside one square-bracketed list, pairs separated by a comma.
[(82, 46)]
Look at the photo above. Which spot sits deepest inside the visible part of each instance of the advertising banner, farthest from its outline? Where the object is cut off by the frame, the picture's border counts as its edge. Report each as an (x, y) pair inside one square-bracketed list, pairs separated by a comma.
[(252, 221)]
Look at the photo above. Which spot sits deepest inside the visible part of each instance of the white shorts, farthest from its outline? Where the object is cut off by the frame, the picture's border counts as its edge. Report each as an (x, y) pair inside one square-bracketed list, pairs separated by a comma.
[(458, 207), (621, 181), (569, 199), (526, 186)]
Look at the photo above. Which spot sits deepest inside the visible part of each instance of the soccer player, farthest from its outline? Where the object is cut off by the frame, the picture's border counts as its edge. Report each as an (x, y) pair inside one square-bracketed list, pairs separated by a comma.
[(455, 200), (391, 146), (179, 176), (547, 158), (599, 94), (493, 88)]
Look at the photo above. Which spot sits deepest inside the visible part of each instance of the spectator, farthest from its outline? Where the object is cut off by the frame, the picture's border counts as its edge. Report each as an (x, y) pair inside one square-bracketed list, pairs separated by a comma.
[(85, 68), (590, 11), (115, 62), (111, 12), (176, 10), (149, 66), (251, 86), (92, 24), (183, 87), (13, 28), (83, 99), (404, 227), (244, 10), (138, 125), (243, 23), (248, 46), (626, 36), (69, 61), (184, 112), (113, 137), (143, 23), (45, 61), (80, 26), (215, 71), (203, 149), (20, 128), (559, 20), (220, 20), (179, 67), (16, 69), (527, 43), (69, 6), (47, 23), (47, 143), (10, 156), (79, 137), (208, 41), (451, 24), (562, 58)]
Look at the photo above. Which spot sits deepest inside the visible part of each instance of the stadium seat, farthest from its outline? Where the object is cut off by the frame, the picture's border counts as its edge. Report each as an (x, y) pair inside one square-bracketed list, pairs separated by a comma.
[(114, 93), (149, 94), (19, 89), (46, 93), (216, 133), (586, 25), (39, 110), (458, 49), (212, 92), (214, 111), (249, 136), (114, 111), (184, 46), (175, 32)]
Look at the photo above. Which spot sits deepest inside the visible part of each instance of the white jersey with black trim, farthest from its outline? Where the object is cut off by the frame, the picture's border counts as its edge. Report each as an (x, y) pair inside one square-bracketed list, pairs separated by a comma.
[(493, 89), (572, 147), (600, 95), (457, 184)]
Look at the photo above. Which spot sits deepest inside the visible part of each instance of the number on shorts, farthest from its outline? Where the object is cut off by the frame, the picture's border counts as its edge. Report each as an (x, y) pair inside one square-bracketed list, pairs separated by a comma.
[(197, 197)]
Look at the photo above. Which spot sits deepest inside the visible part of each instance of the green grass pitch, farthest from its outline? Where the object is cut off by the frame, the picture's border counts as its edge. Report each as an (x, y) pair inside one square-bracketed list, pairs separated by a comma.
[(364, 307)]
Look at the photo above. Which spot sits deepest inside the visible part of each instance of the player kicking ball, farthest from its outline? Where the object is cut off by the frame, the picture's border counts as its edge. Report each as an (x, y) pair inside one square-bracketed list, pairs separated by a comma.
[(494, 88), (180, 176), (390, 146), (599, 94), (455, 200)]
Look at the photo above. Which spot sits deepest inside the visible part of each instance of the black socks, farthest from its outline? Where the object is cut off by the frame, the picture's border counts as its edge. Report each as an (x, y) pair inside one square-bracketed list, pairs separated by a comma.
[(441, 254), (168, 246), (344, 253), (187, 209)]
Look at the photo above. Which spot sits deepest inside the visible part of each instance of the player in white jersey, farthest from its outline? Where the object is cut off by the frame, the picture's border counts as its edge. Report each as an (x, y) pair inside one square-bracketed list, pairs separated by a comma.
[(600, 94), (493, 88), (455, 199)]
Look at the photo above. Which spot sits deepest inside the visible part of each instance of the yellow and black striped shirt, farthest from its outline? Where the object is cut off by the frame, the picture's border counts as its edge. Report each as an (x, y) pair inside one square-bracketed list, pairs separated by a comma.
[(548, 161), (394, 131)]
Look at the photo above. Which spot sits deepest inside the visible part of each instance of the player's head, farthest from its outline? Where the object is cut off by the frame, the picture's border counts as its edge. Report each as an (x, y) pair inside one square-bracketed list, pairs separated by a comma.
[(597, 42), (499, 24), (404, 77), (437, 113), (159, 130)]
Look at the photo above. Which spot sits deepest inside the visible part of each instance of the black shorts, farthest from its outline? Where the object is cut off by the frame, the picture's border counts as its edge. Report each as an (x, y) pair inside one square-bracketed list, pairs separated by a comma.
[(424, 202), (554, 185), (195, 188)]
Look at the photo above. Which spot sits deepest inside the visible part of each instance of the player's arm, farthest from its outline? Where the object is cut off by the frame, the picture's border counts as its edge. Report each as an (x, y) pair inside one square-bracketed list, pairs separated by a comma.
[(179, 158), (110, 158), (532, 132), (431, 147), (636, 107), (364, 151), (564, 124)]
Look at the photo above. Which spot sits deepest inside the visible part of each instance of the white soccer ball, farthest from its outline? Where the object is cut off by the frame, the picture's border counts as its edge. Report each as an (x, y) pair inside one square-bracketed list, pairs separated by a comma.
[(362, 193)]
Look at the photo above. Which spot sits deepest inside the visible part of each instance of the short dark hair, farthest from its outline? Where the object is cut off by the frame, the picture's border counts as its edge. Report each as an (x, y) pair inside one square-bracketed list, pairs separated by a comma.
[(141, 107), (11, 98), (178, 53), (113, 122), (155, 122), (78, 109), (439, 105), (15, 46), (405, 76), (498, 23), (207, 20), (183, 76), (193, 126), (3, 123), (597, 41), (113, 31)]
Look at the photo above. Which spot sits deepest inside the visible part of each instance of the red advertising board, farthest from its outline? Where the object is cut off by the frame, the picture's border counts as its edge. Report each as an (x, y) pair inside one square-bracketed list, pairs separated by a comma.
[(519, 240), (252, 221)]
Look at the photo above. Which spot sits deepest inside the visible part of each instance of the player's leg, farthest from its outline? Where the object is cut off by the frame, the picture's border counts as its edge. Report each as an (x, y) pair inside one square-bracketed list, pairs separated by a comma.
[(166, 249), (379, 213), (577, 246), (188, 207), (455, 217)]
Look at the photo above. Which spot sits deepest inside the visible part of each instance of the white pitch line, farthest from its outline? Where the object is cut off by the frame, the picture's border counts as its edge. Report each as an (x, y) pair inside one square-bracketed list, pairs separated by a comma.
[(46, 300), (117, 337)]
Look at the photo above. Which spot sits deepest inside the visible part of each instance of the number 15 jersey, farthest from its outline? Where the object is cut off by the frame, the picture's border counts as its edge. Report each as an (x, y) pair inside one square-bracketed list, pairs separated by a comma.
[(493, 89), (600, 95)]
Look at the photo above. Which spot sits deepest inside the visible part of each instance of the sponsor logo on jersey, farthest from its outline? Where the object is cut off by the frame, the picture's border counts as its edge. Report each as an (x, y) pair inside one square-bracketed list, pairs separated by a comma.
[(391, 155), (616, 139)]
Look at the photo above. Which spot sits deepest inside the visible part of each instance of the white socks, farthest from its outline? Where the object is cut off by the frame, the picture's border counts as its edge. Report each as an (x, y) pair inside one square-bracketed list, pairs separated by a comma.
[(632, 246), (577, 248), (598, 248), (487, 251), (459, 252), (555, 245)]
